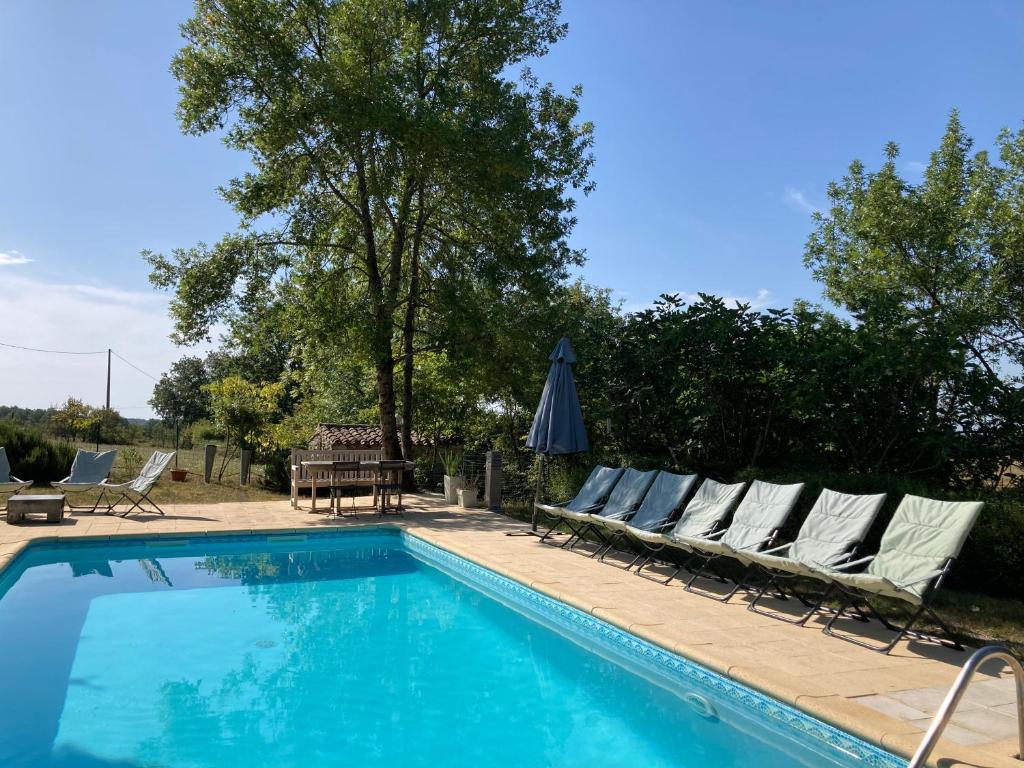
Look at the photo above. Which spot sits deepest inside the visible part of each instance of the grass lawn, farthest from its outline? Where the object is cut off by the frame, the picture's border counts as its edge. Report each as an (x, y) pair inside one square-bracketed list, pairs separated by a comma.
[(130, 459)]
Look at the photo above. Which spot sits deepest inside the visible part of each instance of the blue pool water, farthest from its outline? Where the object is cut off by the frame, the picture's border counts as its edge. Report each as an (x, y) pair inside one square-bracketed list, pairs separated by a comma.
[(353, 649)]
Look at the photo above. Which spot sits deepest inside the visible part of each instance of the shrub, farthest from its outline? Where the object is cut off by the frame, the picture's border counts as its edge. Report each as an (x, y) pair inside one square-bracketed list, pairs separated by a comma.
[(563, 475), (207, 432), (425, 475), (32, 456), (131, 462), (277, 471), (993, 558)]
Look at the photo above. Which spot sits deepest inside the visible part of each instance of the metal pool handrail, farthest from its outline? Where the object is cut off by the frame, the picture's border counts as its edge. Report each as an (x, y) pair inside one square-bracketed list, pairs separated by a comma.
[(942, 717)]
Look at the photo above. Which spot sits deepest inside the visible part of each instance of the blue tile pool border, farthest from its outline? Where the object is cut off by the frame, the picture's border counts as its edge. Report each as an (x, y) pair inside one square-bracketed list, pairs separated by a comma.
[(530, 601)]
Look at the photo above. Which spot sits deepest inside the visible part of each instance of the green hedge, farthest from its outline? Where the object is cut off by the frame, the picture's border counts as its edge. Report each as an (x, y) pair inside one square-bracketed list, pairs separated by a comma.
[(32, 456)]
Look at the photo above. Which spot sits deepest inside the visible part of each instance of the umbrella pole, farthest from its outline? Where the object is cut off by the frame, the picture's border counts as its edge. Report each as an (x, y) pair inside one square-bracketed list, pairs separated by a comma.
[(536, 493), (536, 498)]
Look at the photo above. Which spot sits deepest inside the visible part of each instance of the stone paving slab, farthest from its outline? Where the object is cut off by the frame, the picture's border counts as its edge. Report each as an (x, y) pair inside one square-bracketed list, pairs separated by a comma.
[(888, 700)]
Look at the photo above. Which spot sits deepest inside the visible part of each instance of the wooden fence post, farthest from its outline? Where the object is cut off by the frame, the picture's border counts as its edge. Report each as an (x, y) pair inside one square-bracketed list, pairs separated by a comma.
[(493, 477), (211, 453), (245, 461)]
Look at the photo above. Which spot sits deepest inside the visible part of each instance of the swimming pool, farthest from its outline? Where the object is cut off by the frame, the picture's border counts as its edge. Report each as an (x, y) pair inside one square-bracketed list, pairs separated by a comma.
[(365, 647)]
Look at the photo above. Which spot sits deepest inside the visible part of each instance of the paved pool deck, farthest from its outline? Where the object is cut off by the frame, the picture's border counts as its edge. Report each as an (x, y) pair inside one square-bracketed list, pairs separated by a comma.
[(887, 700)]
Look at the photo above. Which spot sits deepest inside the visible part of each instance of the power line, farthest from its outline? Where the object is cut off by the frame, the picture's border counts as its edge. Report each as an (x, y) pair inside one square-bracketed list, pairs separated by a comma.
[(54, 351), (69, 352), (133, 365)]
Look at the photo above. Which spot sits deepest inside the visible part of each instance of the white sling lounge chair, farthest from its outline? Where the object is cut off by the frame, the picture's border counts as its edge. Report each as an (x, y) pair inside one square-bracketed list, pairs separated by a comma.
[(754, 526), (918, 548), (704, 515), (664, 497), (622, 504), (88, 472), (9, 484), (830, 535), (591, 497), (137, 490)]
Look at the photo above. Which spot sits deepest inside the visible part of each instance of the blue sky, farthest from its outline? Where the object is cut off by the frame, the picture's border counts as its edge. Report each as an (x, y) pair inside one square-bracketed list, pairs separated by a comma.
[(718, 126)]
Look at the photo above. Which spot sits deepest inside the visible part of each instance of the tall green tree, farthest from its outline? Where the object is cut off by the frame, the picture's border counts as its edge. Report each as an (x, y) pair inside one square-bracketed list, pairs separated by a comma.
[(180, 397), (244, 411), (945, 254), (71, 419), (396, 161), (939, 265)]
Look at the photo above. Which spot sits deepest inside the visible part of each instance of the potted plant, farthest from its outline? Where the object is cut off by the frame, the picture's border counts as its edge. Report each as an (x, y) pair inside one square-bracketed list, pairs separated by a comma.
[(453, 480), (467, 494)]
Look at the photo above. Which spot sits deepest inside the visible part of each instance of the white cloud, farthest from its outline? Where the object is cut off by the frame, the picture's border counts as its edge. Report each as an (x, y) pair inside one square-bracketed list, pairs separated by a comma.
[(914, 166), (10, 258), (762, 299), (797, 199), (81, 317)]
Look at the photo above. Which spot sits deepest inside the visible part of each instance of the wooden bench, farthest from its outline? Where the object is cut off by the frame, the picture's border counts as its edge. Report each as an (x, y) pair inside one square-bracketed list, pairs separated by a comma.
[(302, 477)]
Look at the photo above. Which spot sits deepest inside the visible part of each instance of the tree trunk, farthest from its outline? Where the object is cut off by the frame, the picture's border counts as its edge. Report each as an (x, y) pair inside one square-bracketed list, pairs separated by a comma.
[(386, 405), (408, 336), (409, 333)]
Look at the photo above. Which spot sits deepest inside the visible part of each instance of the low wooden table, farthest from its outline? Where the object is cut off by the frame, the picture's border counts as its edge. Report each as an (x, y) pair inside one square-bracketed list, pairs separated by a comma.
[(323, 466), (23, 504)]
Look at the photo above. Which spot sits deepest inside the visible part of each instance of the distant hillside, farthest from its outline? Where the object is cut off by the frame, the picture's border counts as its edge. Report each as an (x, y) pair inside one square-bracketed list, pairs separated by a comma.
[(36, 417), (40, 417)]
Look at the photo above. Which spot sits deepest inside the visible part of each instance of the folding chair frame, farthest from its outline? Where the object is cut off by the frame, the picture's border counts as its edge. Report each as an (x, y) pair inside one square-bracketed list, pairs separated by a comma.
[(136, 500), (680, 558), (704, 570), (82, 507), (813, 604), (858, 600), (559, 519), (632, 545)]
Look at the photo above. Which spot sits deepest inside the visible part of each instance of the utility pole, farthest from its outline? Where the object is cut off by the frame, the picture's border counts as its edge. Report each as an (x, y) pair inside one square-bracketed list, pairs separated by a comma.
[(107, 412)]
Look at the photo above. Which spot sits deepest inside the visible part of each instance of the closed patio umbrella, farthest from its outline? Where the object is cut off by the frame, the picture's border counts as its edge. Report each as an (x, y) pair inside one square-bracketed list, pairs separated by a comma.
[(558, 424)]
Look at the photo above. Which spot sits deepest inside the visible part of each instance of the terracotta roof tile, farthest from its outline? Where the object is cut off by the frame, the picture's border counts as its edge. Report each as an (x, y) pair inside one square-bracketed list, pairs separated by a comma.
[(355, 436)]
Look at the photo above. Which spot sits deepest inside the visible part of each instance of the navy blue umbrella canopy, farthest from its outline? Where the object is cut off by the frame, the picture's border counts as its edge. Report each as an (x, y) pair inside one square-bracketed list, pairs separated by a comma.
[(558, 424)]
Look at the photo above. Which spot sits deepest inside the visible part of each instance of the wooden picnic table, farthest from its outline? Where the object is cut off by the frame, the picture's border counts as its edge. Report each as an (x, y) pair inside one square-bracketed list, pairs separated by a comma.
[(315, 466)]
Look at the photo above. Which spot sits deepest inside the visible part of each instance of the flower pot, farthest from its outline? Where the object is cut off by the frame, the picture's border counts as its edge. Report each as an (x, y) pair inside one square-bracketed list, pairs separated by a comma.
[(467, 498), (179, 475), (452, 486)]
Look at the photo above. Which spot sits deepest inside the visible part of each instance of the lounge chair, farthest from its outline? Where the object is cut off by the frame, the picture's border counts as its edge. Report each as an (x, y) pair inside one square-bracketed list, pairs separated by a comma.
[(704, 515), (9, 484), (918, 548), (754, 526), (663, 498), (622, 504), (88, 471), (591, 497), (137, 490), (830, 535)]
